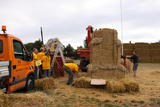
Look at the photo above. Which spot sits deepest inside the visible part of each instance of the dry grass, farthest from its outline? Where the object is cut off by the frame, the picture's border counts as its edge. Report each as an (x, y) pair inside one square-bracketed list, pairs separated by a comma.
[(25, 100), (155, 73), (45, 83), (68, 96), (114, 86), (83, 82)]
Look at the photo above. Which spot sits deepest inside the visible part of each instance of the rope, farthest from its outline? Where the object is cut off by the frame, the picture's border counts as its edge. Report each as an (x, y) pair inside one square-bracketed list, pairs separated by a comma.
[(121, 24)]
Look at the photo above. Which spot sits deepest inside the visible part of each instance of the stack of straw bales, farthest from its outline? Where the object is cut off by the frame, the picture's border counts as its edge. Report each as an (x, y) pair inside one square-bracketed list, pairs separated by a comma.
[(155, 52), (104, 45), (142, 49), (128, 48), (148, 53), (82, 82), (105, 54), (45, 83)]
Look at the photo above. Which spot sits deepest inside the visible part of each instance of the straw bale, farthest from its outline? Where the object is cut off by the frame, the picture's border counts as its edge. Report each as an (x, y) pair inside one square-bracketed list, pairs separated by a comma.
[(83, 82), (108, 35), (146, 60), (115, 87), (123, 85), (128, 51), (147, 52), (155, 59), (142, 45), (119, 44), (94, 67), (25, 99), (105, 33), (128, 46), (109, 74), (96, 41), (130, 85), (155, 51), (155, 45), (102, 51), (105, 55), (45, 83), (106, 71)]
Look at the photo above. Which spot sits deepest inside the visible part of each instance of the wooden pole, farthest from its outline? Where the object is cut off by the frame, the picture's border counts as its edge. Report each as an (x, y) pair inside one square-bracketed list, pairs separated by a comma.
[(42, 35)]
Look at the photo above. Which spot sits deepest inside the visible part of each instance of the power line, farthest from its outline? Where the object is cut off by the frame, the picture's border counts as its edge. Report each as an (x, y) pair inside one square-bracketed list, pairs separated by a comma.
[(121, 24)]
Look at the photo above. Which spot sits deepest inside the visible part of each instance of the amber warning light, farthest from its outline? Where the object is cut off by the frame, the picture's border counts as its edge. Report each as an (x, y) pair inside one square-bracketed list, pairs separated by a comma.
[(4, 29)]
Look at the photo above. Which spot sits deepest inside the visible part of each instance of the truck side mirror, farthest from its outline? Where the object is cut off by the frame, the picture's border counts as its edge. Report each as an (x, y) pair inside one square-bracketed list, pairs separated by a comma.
[(29, 57)]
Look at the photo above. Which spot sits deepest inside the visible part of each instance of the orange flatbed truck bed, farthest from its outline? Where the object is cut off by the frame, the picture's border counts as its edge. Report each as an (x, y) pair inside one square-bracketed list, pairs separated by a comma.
[(16, 65)]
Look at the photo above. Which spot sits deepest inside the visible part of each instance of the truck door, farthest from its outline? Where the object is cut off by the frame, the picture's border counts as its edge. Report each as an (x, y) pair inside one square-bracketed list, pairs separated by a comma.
[(21, 65)]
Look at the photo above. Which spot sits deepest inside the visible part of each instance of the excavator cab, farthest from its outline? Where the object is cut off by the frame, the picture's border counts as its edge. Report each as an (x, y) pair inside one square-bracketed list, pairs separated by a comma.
[(84, 53)]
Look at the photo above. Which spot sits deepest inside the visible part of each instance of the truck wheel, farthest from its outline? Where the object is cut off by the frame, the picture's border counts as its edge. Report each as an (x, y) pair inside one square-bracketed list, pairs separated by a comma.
[(29, 83)]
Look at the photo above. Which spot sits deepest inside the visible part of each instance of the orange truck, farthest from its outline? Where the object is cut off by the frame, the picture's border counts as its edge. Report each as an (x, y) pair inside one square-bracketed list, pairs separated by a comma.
[(16, 65)]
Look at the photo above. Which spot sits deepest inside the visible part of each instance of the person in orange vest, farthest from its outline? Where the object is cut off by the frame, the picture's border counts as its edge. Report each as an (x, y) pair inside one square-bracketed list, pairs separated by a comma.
[(70, 69), (35, 52), (39, 57), (46, 64)]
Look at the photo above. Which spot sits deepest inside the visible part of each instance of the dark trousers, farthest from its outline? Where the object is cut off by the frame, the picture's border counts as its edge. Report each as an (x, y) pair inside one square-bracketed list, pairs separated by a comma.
[(36, 72), (40, 71), (46, 73), (135, 66), (70, 75)]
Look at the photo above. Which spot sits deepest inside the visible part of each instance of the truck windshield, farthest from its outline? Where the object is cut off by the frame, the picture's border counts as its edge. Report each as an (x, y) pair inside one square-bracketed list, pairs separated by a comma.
[(1, 46)]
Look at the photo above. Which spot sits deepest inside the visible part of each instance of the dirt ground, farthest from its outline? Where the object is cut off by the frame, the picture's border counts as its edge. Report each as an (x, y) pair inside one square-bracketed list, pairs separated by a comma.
[(148, 77)]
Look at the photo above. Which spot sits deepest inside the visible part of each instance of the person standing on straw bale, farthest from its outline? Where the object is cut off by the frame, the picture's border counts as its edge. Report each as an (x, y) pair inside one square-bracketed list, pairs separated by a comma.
[(39, 57), (46, 64), (135, 60), (35, 52), (71, 69)]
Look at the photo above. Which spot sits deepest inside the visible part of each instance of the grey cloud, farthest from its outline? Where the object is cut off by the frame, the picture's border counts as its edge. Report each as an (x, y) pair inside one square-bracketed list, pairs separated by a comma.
[(68, 19)]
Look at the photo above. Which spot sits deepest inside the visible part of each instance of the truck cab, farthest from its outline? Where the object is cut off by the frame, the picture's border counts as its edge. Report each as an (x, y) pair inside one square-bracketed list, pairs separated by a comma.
[(16, 65)]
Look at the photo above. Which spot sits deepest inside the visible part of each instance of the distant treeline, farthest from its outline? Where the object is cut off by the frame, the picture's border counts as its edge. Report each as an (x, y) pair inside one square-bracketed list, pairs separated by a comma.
[(68, 50)]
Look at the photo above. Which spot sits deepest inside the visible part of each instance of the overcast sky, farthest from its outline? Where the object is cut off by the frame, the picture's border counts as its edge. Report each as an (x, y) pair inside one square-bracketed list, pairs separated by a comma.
[(68, 19)]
